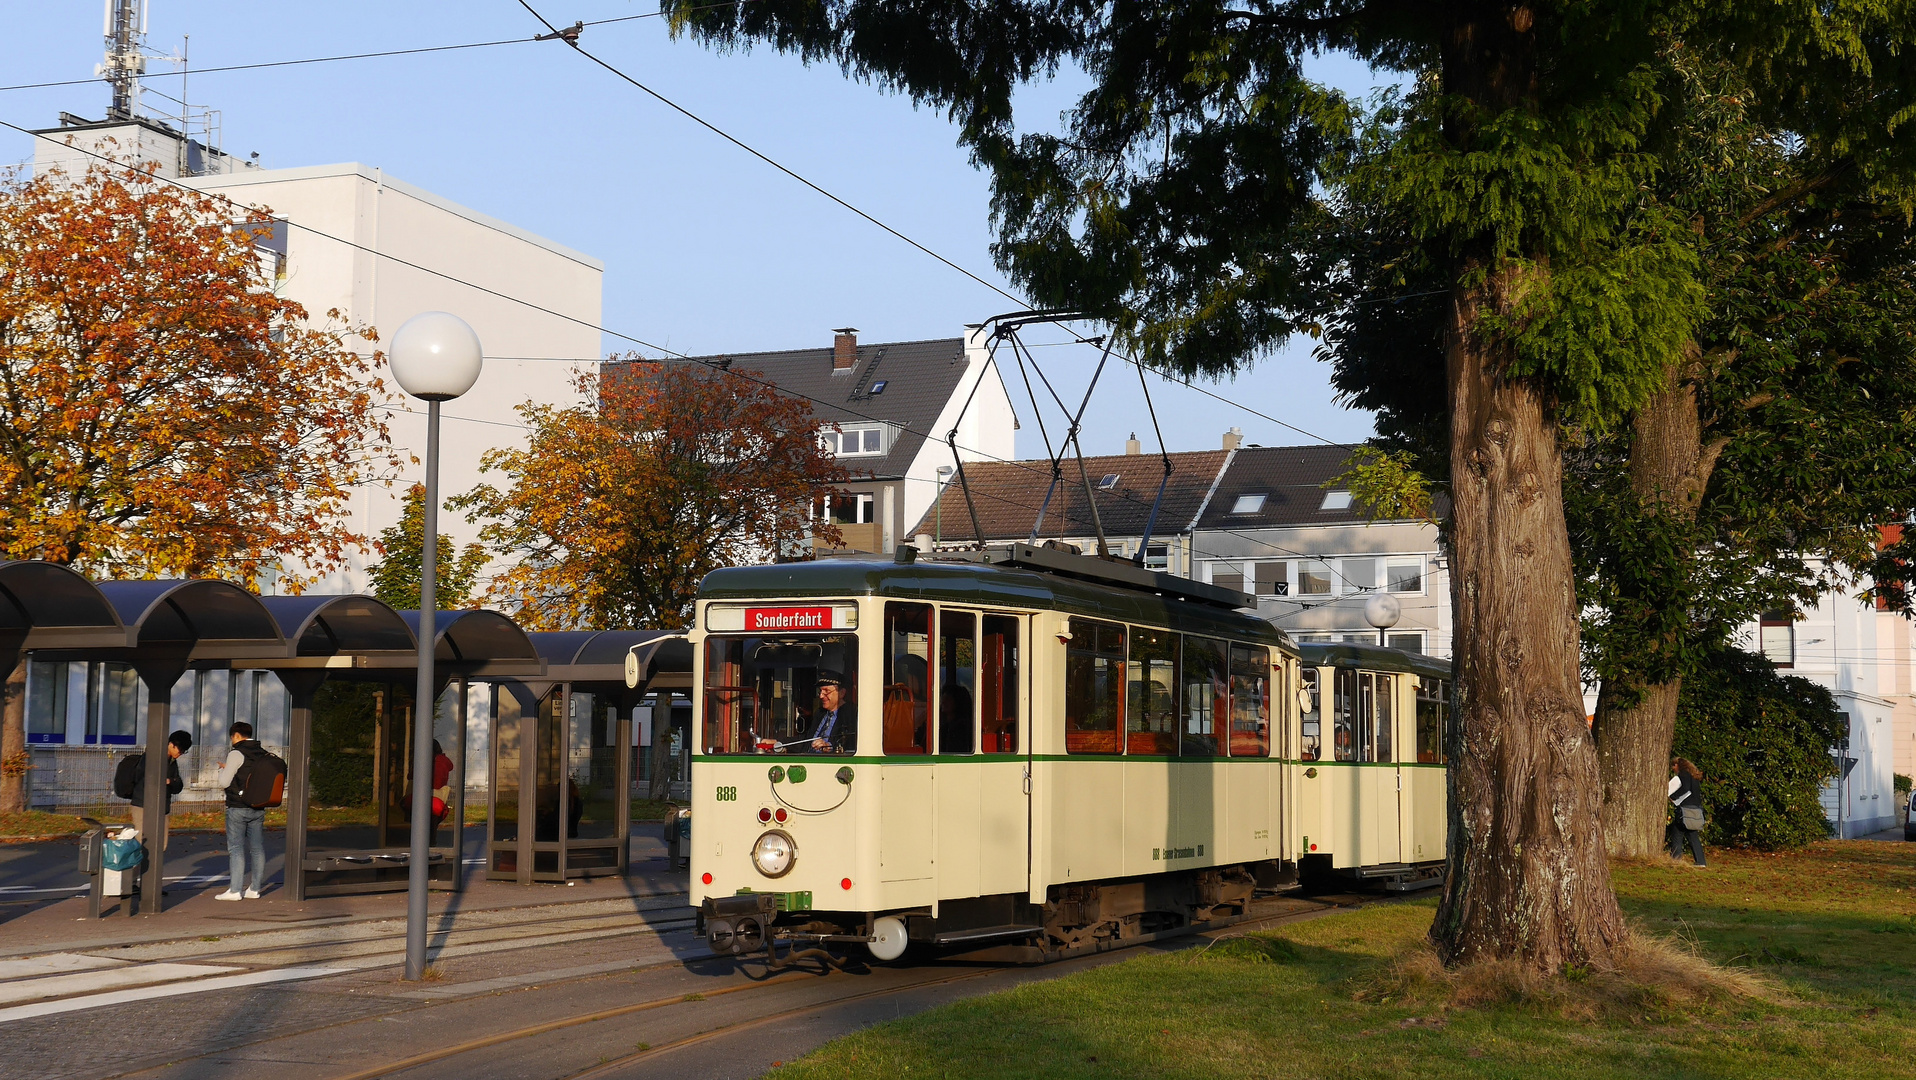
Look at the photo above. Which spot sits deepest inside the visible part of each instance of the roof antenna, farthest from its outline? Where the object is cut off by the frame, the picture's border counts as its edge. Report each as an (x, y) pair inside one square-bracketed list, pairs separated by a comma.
[(1151, 523)]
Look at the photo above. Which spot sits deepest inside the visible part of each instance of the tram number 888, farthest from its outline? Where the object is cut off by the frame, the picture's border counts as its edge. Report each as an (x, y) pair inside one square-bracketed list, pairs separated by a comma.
[(727, 794)]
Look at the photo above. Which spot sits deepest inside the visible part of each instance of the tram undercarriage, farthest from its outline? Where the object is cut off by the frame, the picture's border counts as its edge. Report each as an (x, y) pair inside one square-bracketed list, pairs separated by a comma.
[(1076, 919)]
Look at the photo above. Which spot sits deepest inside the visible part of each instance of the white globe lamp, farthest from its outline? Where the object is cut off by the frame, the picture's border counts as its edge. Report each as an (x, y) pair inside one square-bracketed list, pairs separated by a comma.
[(1382, 610), (435, 356)]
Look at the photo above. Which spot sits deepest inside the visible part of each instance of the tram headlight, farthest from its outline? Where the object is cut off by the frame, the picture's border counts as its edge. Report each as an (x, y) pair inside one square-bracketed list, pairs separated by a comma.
[(774, 853)]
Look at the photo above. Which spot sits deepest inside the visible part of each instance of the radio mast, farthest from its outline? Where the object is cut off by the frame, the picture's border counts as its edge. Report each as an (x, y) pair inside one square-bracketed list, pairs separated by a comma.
[(125, 34)]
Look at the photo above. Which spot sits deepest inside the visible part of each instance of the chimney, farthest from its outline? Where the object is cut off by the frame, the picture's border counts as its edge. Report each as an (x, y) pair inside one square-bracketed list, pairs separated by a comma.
[(1132, 445), (1234, 438), (844, 348)]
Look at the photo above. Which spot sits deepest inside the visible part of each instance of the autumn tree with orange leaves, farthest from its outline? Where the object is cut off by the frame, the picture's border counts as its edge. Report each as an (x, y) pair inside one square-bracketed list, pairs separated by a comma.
[(617, 507), (162, 411)]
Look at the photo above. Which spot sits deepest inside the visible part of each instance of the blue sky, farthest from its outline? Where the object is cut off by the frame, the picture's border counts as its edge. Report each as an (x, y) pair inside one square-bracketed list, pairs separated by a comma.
[(706, 248)]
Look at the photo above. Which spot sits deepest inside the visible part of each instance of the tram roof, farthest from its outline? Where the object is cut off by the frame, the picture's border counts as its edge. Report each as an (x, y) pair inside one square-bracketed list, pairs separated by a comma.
[(986, 584), (1376, 658)]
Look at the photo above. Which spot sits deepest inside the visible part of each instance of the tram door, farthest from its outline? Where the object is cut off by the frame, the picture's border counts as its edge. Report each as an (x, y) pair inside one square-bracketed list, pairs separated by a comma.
[(1383, 814)]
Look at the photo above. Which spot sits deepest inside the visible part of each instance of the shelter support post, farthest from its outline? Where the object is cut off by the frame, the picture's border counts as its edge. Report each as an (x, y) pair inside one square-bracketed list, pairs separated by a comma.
[(159, 676), (301, 686)]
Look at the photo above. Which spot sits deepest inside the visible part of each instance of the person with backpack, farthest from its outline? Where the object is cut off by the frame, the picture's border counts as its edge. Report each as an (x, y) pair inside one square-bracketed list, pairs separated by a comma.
[(129, 782), (254, 779), (1686, 798)]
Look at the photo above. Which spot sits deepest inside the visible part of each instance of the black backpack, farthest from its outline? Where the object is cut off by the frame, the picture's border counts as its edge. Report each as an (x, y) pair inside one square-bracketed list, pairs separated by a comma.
[(126, 778), (263, 784)]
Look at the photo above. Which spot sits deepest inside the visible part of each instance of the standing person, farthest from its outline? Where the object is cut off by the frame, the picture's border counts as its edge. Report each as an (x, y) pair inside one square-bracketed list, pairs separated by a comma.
[(441, 787), (245, 825), (1686, 795), (129, 782)]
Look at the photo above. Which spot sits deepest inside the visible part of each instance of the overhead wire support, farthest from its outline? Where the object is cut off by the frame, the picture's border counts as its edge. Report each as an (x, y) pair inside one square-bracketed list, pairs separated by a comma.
[(1151, 523)]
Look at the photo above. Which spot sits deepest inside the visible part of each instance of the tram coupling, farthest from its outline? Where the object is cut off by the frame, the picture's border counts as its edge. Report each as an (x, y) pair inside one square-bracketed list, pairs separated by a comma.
[(746, 924)]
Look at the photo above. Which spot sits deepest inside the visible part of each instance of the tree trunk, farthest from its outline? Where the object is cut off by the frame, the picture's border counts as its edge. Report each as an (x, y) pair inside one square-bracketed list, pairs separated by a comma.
[(14, 757), (1669, 470), (1527, 879)]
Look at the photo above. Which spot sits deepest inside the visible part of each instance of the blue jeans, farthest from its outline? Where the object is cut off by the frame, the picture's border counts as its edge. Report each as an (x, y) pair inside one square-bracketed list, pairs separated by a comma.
[(246, 846)]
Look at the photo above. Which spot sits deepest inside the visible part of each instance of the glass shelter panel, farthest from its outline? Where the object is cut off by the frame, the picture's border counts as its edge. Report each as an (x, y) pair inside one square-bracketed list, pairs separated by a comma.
[(1151, 713), (1093, 687)]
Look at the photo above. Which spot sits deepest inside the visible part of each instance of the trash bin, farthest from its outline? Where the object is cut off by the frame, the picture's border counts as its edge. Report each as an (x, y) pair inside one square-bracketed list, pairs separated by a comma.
[(678, 838), (121, 857)]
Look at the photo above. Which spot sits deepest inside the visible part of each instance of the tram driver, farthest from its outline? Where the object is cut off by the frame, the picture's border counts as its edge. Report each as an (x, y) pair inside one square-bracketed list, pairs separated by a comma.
[(836, 731)]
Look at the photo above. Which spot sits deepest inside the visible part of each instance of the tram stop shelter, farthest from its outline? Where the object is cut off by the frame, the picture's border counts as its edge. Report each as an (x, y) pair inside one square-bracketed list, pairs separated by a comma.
[(562, 752), (158, 628), (355, 658)]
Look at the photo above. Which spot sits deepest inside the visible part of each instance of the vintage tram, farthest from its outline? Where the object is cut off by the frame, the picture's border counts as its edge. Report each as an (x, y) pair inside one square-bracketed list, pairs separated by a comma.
[(1026, 753)]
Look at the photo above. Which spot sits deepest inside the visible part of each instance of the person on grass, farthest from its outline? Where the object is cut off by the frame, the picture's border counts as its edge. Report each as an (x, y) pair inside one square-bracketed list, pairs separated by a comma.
[(1686, 800), (245, 824)]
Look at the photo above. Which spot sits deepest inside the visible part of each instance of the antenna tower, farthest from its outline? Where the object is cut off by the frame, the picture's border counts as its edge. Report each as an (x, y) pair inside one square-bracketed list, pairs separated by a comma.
[(125, 62)]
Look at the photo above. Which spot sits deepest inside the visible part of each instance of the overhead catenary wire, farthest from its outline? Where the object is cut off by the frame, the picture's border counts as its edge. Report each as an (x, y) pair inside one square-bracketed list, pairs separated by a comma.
[(673, 355)]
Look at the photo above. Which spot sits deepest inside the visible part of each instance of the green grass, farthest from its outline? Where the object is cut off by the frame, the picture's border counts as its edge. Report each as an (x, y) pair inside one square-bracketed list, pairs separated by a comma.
[(1834, 927)]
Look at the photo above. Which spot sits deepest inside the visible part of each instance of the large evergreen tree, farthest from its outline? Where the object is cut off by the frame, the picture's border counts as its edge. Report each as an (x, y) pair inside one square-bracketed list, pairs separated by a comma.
[(1180, 204)]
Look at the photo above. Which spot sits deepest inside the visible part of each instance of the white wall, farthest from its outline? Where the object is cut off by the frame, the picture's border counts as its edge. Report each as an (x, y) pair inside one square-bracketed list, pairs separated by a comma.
[(986, 432), (377, 251)]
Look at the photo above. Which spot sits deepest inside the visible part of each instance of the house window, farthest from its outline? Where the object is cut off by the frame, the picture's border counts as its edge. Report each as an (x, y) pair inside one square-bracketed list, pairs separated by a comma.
[(46, 702), (1777, 636), (1109, 482), (1404, 575), (1360, 575), (1273, 579), (1225, 579), (1157, 557), (1336, 500), (877, 388), (853, 441), (1248, 504), (1313, 579), (1409, 642), (846, 509)]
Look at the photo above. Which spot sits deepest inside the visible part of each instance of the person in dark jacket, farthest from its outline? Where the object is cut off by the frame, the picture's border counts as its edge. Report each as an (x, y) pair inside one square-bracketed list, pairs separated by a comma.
[(1686, 799), (245, 825), (176, 744)]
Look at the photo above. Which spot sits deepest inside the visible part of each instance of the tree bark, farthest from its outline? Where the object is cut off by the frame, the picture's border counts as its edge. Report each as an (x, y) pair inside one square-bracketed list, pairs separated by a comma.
[(13, 737), (1669, 468), (1528, 879)]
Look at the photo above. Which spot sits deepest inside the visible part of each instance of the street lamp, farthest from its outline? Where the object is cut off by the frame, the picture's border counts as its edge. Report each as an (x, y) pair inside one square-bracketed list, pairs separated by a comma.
[(1382, 611), (436, 357), (938, 504)]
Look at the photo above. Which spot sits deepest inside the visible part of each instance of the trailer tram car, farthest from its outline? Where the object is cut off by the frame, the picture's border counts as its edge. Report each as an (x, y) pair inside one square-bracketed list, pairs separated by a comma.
[(1021, 753)]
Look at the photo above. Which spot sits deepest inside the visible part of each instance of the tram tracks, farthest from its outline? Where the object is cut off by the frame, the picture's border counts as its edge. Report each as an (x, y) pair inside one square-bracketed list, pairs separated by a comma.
[(932, 978)]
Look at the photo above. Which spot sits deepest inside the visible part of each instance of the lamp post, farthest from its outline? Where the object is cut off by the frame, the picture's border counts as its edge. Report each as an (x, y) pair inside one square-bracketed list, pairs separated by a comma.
[(435, 357), (938, 504), (1382, 611)]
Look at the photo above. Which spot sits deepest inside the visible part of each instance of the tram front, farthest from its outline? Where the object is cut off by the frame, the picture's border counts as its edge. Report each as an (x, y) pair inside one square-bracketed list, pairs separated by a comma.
[(776, 780)]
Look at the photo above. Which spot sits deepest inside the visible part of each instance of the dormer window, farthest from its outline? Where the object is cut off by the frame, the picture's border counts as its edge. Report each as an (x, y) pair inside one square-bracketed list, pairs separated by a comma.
[(857, 441), (1248, 504), (1336, 500)]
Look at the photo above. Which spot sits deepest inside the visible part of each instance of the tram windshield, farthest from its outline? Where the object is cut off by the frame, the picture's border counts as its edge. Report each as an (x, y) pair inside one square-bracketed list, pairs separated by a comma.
[(781, 695)]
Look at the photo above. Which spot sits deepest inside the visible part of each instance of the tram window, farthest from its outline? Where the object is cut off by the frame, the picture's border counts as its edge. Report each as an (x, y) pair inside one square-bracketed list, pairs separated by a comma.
[(1310, 731), (1093, 687), (957, 682), (1151, 712), (1386, 717), (1206, 696), (907, 648), (1431, 705), (762, 694), (998, 685), (1343, 714), (1365, 729), (1250, 701)]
